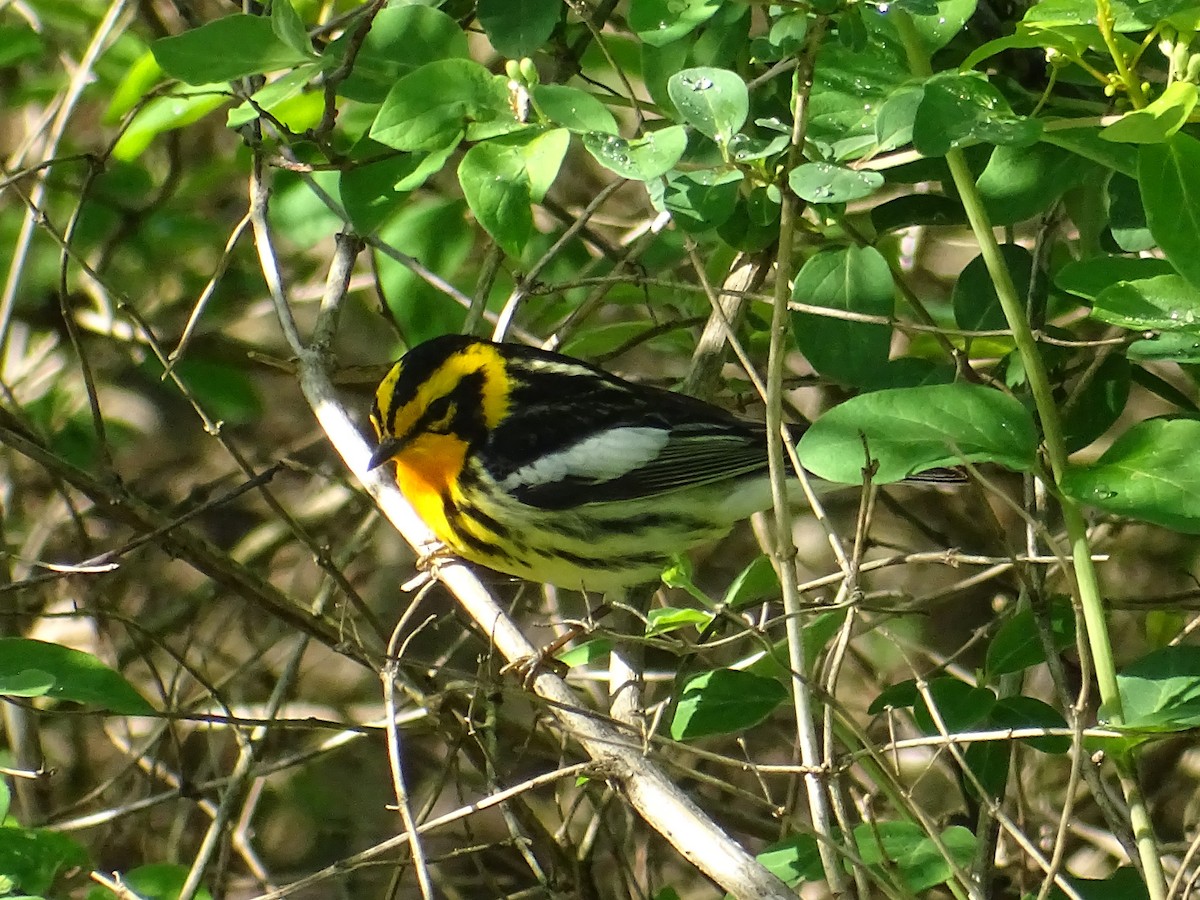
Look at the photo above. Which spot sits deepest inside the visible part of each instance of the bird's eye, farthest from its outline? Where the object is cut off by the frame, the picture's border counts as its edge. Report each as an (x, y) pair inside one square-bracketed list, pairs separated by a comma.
[(439, 414)]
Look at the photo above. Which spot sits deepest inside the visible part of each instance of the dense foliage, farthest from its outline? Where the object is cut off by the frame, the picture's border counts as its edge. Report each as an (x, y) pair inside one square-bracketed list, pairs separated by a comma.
[(949, 233)]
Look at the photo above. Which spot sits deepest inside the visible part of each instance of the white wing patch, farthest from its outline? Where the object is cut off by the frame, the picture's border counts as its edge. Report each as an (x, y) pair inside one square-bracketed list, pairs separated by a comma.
[(599, 458)]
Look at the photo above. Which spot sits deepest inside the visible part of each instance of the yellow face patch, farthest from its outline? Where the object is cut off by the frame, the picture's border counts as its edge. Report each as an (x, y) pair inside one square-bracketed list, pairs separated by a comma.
[(476, 358)]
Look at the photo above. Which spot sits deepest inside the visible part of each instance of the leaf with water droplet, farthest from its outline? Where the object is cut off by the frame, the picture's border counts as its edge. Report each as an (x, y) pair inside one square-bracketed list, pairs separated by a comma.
[(910, 430), (1162, 303), (821, 182), (1151, 472), (960, 109), (713, 101), (642, 159)]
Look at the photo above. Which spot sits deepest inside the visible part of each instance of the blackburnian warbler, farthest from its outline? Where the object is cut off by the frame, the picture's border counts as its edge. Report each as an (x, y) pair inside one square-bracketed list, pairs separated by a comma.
[(544, 467)]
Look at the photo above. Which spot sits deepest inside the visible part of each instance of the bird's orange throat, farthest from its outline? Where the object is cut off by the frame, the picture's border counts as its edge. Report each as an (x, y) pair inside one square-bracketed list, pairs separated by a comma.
[(425, 472)]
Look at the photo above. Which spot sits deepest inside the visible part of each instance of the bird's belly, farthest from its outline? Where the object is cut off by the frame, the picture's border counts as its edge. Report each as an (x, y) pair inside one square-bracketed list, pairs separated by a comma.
[(596, 547)]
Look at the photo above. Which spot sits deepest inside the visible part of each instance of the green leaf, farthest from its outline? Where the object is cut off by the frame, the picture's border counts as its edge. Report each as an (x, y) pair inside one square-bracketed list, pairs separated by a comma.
[(1029, 712), (573, 109), (794, 860), (960, 109), (960, 706), (660, 22), (894, 124), (1127, 215), (27, 683), (78, 676), (1098, 406), (641, 159), (1161, 691), (724, 701), (248, 46), (713, 101), (917, 209), (1157, 121), (433, 107), (701, 199), (1167, 346), (1166, 302), (1088, 278), (851, 279), (821, 182), (289, 27), (670, 618), (401, 40), (909, 430), (1151, 472), (1021, 182), (33, 857), (18, 42), (137, 81), (1016, 645), (1171, 195), (155, 881), (758, 581), (976, 303), (370, 192), (904, 848), (850, 88), (518, 28), (586, 653), (496, 185), (163, 114)]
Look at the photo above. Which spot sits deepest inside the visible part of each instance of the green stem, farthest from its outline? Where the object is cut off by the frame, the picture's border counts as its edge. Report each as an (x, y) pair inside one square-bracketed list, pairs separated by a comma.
[(1087, 582), (1129, 79)]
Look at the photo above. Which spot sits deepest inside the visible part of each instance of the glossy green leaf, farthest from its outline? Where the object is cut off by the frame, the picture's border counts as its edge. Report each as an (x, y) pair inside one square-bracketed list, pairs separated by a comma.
[(1166, 346), (1022, 182), (32, 858), (713, 101), (432, 108), (909, 430), (78, 676), (518, 28), (724, 701), (701, 199), (1127, 215), (758, 581), (500, 178), (1166, 302), (248, 46), (1171, 195), (794, 860), (370, 191), (917, 209), (1157, 121), (289, 27), (1161, 691), (906, 850), (976, 303), (850, 279), (1097, 407), (667, 619), (26, 683), (163, 114), (850, 87), (586, 653), (573, 109), (959, 705), (1088, 278), (401, 40), (660, 22), (957, 110), (641, 159), (821, 182), (1016, 645), (1029, 712), (1151, 472)]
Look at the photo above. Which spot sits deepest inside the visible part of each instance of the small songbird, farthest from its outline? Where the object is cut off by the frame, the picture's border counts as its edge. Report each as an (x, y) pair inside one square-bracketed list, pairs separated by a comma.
[(544, 467)]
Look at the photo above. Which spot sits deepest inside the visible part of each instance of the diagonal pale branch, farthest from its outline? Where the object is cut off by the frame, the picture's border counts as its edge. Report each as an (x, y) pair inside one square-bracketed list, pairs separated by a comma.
[(661, 803)]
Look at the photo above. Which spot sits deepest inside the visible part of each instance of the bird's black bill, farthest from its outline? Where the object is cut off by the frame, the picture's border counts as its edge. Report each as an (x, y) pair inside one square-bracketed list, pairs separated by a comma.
[(387, 448)]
